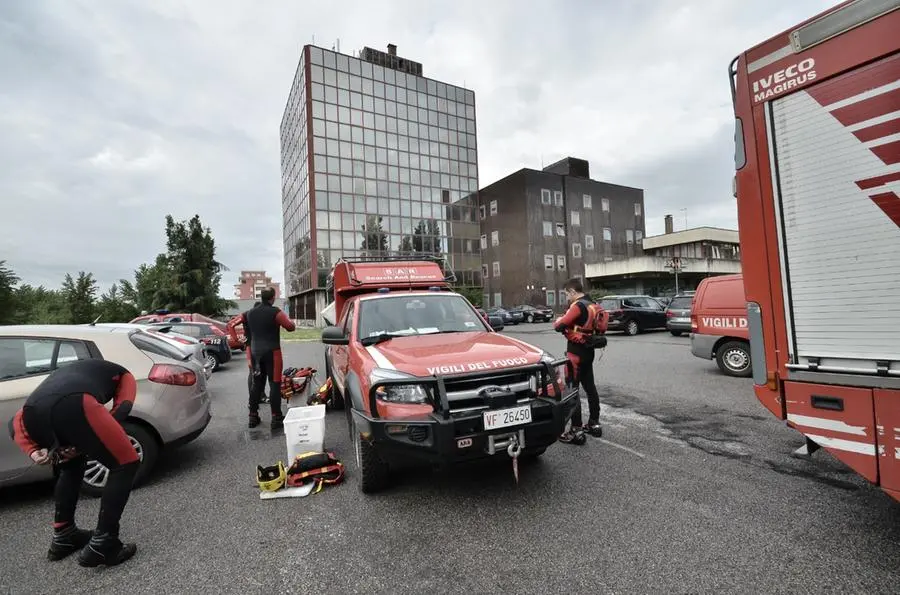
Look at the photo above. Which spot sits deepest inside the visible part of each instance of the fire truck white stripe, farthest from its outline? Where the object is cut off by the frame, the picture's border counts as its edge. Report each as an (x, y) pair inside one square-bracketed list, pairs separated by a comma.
[(773, 57), (897, 452), (845, 445), (883, 140), (380, 360), (874, 121), (864, 95), (826, 424)]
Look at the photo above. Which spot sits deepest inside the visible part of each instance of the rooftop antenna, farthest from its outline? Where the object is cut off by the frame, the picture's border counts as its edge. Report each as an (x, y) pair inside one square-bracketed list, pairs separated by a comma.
[(339, 45)]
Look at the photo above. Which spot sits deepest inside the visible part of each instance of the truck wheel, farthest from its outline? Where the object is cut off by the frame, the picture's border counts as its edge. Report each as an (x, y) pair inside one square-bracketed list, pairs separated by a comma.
[(336, 400), (632, 328), (733, 358), (675, 333), (374, 473)]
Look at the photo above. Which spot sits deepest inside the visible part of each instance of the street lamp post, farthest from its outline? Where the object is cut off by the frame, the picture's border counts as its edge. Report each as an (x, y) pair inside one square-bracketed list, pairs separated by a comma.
[(675, 265)]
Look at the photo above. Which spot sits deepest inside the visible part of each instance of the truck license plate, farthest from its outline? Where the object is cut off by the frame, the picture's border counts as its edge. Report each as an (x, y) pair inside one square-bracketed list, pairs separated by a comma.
[(503, 418)]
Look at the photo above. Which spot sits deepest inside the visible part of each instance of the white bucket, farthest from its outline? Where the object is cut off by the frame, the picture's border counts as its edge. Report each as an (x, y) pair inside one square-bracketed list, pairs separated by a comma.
[(304, 430)]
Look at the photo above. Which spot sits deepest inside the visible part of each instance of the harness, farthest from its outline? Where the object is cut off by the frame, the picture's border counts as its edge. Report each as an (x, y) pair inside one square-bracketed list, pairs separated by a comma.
[(321, 468), (594, 325)]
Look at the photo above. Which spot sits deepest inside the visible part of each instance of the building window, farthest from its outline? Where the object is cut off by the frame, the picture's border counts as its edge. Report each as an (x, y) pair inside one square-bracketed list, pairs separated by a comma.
[(545, 196), (485, 297), (548, 262), (589, 242), (629, 236), (638, 236), (497, 299), (484, 271), (496, 268), (576, 218), (562, 297), (561, 262), (548, 229), (607, 234), (484, 242), (551, 297), (561, 230), (481, 209), (637, 209), (588, 203), (557, 198), (604, 205), (493, 207), (495, 238), (576, 250)]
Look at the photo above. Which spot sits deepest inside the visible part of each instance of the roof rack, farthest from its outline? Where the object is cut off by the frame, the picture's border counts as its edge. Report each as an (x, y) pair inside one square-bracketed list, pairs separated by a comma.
[(449, 274)]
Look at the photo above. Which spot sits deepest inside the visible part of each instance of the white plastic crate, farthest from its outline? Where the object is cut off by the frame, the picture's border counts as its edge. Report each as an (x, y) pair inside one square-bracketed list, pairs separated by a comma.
[(304, 430)]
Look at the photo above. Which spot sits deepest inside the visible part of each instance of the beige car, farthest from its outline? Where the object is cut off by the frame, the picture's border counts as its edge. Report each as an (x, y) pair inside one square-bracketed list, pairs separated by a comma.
[(172, 405)]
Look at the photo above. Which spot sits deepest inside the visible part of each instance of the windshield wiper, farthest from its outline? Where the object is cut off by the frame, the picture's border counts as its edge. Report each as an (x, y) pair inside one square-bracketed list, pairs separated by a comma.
[(379, 338)]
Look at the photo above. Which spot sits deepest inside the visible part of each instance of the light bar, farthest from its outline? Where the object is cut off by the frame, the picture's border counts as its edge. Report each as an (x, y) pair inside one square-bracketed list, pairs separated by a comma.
[(840, 21)]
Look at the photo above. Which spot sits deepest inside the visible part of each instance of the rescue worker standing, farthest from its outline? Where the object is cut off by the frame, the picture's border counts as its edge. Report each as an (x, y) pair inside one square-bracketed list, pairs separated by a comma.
[(263, 331), (582, 324), (64, 422), (232, 325)]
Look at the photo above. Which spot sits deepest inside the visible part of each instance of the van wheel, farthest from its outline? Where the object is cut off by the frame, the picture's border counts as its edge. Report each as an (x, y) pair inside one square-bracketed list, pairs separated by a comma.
[(632, 328), (733, 358), (374, 474), (675, 333)]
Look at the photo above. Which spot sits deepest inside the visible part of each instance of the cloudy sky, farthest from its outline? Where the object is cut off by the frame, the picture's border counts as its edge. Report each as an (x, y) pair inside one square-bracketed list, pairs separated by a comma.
[(115, 113)]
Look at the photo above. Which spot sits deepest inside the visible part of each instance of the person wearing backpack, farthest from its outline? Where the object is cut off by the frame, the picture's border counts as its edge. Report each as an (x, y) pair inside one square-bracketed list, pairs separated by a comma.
[(584, 325)]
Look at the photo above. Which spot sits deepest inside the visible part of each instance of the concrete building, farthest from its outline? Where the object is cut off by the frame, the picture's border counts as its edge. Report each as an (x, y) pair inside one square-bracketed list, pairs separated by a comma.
[(541, 227), (251, 283), (376, 159), (691, 253)]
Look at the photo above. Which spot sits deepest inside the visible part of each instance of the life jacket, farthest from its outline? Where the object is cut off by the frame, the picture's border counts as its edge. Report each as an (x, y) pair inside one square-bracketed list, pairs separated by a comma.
[(294, 381), (596, 323), (320, 468)]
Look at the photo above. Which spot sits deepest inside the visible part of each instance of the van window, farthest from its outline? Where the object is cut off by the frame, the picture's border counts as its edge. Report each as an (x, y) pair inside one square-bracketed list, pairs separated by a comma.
[(724, 294)]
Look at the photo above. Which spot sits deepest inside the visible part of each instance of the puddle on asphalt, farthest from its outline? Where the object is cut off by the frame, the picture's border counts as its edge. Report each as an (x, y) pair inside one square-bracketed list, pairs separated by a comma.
[(255, 435)]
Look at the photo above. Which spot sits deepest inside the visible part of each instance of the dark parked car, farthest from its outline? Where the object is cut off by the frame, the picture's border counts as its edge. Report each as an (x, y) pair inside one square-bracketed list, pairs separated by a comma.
[(678, 315), (214, 339), (494, 320), (507, 316), (633, 314), (534, 313)]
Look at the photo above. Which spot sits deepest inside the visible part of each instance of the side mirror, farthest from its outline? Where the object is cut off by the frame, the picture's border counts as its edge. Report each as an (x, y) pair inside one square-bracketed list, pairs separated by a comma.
[(334, 335)]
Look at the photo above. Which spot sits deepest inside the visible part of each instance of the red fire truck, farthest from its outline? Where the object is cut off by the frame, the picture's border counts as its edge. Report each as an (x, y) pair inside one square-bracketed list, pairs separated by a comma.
[(423, 377), (817, 159)]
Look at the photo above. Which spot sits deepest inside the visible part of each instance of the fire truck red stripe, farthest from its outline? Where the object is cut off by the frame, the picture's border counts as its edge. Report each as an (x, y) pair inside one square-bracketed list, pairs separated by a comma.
[(889, 153), (878, 181), (867, 109), (856, 82), (889, 202), (879, 130)]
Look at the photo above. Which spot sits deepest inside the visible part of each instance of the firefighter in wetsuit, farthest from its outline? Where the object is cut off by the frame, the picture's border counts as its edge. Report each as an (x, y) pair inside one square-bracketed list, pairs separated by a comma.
[(64, 422), (232, 329), (263, 331), (582, 324)]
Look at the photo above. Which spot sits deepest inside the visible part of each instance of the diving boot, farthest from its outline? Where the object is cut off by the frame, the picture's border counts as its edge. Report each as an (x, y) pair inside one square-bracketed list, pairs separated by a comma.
[(594, 429), (253, 420), (105, 550), (277, 422), (67, 541)]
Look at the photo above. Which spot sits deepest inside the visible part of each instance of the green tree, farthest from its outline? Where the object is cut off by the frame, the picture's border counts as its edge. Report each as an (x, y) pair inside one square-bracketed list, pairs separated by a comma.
[(153, 284), (375, 239), (113, 307), (8, 301), (195, 272), (80, 296), (473, 294), (39, 305)]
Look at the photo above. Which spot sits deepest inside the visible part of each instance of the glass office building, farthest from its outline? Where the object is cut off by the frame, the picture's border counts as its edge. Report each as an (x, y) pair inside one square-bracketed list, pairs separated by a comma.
[(376, 160)]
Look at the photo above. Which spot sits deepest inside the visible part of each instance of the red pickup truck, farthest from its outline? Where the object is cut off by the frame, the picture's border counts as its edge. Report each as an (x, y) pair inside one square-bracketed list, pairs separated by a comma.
[(423, 377)]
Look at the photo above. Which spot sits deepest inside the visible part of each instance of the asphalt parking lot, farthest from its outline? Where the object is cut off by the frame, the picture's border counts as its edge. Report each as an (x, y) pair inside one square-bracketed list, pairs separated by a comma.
[(691, 489)]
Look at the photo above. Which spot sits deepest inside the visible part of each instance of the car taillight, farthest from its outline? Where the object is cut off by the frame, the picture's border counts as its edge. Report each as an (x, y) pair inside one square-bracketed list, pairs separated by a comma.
[(172, 374), (669, 314), (694, 325)]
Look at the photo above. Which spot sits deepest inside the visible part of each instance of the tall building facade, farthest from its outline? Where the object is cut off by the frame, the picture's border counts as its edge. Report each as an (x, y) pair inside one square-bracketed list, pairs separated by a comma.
[(251, 283), (542, 227), (376, 160)]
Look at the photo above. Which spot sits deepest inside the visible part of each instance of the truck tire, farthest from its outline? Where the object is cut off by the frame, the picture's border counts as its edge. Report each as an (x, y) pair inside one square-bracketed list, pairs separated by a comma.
[(374, 473), (733, 358), (631, 327), (336, 400)]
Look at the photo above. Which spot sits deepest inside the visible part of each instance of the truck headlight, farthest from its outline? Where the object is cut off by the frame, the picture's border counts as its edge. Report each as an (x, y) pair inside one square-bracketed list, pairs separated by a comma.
[(560, 375), (398, 393)]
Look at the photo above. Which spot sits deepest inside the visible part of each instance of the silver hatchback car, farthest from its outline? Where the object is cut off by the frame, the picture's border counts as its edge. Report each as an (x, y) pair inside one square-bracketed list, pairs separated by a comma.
[(172, 405)]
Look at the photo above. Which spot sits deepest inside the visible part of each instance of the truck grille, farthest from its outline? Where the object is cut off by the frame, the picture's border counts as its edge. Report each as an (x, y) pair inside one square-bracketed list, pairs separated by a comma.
[(462, 393)]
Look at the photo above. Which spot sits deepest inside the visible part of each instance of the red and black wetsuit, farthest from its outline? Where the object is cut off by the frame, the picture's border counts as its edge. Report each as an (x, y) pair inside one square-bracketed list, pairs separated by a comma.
[(67, 410), (263, 331), (582, 357)]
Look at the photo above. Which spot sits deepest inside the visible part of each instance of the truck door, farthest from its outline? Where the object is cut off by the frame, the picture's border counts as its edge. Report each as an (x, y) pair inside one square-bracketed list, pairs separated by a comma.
[(340, 354)]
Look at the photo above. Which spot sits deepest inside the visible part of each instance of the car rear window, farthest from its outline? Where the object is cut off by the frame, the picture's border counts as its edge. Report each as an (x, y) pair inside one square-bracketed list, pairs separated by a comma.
[(681, 303), (609, 304), (150, 344)]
